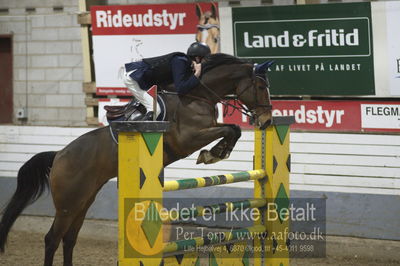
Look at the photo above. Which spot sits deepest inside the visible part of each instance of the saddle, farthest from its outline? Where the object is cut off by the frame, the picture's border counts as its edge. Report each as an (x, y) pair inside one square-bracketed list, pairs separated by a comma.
[(114, 112), (132, 110)]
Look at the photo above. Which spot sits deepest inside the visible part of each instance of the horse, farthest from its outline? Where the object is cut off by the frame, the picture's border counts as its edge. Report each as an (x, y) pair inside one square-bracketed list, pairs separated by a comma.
[(208, 28), (76, 173)]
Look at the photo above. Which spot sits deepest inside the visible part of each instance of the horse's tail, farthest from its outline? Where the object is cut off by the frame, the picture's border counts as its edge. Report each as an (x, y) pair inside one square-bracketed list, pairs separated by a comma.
[(32, 181)]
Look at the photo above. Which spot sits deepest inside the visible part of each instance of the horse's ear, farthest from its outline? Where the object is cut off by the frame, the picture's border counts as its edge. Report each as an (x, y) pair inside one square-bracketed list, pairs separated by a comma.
[(199, 13), (214, 10), (262, 68)]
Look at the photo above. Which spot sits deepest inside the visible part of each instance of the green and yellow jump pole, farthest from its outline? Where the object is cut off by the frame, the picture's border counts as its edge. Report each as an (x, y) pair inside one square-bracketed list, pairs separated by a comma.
[(271, 153), (140, 240), (140, 186)]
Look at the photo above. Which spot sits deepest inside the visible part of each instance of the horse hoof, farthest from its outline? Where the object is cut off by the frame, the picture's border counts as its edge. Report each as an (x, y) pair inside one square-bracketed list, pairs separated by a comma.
[(206, 157), (226, 155)]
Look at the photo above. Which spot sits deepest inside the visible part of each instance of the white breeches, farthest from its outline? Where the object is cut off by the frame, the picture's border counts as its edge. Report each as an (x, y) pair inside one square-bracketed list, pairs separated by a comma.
[(141, 95)]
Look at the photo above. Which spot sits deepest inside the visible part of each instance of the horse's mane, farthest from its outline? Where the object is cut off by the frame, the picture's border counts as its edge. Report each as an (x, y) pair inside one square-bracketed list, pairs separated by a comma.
[(214, 60)]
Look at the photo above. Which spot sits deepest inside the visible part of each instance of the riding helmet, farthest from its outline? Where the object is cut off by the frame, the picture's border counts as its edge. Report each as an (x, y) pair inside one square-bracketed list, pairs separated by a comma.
[(198, 49)]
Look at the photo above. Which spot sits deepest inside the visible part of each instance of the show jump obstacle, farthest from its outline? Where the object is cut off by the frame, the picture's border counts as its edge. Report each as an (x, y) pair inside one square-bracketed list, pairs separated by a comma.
[(142, 216)]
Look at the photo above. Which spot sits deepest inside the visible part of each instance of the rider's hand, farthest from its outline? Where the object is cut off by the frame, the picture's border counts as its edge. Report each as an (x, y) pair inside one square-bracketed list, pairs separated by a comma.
[(197, 69)]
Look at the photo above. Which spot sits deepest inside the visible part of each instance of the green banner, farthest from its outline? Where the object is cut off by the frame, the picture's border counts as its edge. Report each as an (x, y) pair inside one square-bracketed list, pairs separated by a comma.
[(321, 49)]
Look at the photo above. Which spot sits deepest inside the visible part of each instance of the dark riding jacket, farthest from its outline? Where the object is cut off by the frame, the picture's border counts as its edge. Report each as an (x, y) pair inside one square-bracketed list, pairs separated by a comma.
[(162, 70)]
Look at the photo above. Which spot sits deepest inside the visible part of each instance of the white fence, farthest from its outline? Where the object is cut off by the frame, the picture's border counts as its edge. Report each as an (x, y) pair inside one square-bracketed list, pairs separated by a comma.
[(349, 163)]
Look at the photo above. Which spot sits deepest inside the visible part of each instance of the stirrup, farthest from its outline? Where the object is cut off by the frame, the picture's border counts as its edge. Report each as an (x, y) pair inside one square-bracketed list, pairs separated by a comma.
[(148, 116)]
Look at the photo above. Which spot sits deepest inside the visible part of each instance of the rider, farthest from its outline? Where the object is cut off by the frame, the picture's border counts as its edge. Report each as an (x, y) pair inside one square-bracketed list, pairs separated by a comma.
[(182, 69)]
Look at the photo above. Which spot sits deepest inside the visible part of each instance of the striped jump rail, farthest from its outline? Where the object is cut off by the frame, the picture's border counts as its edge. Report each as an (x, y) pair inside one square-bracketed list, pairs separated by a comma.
[(213, 180), (242, 234), (229, 206), (141, 213)]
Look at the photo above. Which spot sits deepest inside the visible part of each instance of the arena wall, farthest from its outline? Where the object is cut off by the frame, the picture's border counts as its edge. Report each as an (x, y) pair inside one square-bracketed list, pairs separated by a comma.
[(357, 174), (47, 61)]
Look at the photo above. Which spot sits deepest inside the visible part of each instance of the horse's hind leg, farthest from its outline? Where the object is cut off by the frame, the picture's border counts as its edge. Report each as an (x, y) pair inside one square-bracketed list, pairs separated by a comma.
[(52, 239), (66, 226), (69, 239)]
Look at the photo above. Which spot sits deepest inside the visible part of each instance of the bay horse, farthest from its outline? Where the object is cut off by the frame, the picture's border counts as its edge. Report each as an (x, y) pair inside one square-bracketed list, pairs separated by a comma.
[(76, 173)]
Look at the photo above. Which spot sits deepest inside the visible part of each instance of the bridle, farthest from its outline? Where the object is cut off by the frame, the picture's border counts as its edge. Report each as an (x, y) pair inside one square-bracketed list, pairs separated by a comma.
[(242, 108), (251, 113), (207, 27), (269, 105)]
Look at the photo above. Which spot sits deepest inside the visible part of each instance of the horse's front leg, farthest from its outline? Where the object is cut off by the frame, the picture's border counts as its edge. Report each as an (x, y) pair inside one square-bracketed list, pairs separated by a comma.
[(230, 134)]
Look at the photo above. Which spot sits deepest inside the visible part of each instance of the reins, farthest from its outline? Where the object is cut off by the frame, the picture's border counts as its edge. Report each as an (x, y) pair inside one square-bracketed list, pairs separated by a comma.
[(242, 108), (220, 99), (188, 96)]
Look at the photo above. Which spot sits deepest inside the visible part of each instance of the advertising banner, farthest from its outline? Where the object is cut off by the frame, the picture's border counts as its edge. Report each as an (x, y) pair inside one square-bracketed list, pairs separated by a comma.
[(334, 116), (341, 116), (393, 46), (123, 34), (317, 49)]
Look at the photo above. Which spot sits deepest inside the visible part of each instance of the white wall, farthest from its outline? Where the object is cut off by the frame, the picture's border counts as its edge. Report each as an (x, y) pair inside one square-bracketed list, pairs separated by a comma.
[(352, 163)]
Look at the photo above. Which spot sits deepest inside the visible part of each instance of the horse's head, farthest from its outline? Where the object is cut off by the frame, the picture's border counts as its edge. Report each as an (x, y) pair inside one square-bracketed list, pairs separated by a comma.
[(226, 75), (208, 27), (254, 93)]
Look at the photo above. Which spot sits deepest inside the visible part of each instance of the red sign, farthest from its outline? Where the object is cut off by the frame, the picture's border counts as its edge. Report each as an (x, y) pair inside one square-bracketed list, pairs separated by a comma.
[(321, 115), (335, 116), (113, 91), (145, 19)]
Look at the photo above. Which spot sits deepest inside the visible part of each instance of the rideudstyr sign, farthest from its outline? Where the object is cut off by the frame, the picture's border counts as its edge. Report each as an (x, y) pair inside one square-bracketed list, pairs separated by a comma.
[(334, 116), (143, 20), (123, 34)]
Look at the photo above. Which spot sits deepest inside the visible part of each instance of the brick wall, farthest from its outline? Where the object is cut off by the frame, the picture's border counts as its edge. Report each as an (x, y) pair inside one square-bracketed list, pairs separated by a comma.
[(47, 61)]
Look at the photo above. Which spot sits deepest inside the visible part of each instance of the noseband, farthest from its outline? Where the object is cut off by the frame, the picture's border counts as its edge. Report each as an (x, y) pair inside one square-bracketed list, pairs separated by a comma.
[(207, 26)]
